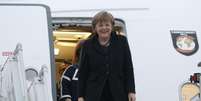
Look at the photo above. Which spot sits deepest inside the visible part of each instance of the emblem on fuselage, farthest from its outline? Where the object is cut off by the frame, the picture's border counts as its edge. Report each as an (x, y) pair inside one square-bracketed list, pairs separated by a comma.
[(185, 42)]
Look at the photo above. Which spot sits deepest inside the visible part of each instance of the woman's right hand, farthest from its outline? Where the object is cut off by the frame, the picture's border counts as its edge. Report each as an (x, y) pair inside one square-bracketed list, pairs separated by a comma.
[(80, 99)]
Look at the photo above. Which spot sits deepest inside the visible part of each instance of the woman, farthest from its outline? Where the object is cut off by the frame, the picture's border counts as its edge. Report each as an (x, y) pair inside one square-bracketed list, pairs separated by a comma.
[(106, 70)]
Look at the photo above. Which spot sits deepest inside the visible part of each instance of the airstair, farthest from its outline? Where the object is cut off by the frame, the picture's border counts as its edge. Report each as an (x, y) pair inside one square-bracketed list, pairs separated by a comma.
[(18, 83)]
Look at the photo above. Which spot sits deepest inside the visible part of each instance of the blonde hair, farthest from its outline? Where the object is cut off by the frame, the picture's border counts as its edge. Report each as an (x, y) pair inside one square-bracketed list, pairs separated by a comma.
[(102, 16)]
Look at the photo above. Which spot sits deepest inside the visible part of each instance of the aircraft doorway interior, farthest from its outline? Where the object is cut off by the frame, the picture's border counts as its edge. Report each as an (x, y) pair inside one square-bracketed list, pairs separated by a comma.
[(67, 32)]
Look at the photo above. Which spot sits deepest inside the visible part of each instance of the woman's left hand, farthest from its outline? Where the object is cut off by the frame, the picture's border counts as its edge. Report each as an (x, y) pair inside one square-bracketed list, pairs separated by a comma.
[(131, 97)]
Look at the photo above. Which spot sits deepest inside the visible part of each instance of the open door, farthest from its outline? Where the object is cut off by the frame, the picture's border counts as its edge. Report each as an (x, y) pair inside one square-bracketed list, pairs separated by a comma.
[(26, 53), (67, 32)]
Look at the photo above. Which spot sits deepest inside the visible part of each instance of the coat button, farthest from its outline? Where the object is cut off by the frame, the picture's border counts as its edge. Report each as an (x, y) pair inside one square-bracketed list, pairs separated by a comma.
[(107, 65), (107, 72)]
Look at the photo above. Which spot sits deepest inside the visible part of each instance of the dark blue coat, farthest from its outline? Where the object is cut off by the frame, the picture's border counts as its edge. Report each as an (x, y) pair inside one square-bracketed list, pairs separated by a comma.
[(98, 65), (69, 81)]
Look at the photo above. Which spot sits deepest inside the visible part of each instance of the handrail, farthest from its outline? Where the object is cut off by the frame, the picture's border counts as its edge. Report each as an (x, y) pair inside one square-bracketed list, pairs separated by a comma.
[(4, 65), (17, 49)]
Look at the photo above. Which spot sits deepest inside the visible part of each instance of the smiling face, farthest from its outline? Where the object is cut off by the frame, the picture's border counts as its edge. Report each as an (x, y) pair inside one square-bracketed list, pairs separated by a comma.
[(102, 24), (103, 29)]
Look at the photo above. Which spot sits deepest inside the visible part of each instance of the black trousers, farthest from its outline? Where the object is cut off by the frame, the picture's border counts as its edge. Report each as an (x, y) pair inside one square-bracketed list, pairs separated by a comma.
[(106, 93)]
